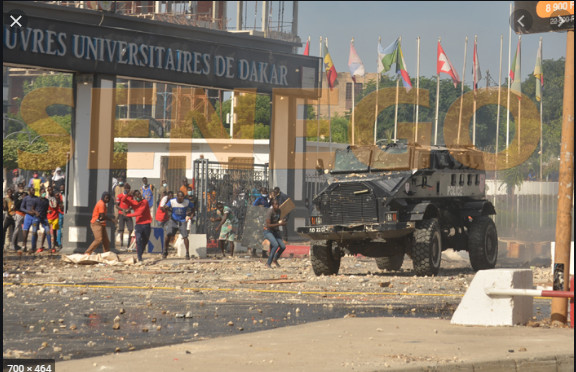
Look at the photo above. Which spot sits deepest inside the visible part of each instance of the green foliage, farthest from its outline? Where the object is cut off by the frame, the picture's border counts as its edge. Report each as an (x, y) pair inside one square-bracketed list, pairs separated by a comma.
[(263, 110), (54, 79), (48, 80), (120, 147), (261, 131), (131, 128), (339, 129)]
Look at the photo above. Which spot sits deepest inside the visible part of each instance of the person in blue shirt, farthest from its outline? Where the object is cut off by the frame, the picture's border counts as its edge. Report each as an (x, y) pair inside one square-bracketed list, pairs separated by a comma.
[(262, 200), (30, 207), (179, 208), (147, 192)]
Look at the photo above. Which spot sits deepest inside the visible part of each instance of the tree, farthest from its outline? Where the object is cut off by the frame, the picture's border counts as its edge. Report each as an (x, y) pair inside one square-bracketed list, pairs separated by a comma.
[(53, 79)]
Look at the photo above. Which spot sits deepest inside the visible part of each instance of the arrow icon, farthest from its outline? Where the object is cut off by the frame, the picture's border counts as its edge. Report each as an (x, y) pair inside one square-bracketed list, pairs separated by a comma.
[(520, 19), (561, 21)]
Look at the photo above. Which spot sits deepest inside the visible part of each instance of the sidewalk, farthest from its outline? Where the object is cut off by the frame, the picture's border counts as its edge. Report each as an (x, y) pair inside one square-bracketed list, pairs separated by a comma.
[(356, 344)]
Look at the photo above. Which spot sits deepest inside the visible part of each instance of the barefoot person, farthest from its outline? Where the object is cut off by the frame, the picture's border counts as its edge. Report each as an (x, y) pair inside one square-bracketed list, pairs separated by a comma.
[(227, 227)]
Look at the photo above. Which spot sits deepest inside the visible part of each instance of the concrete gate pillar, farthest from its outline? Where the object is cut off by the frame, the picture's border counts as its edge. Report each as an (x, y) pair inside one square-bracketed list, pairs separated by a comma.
[(287, 153), (90, 159)]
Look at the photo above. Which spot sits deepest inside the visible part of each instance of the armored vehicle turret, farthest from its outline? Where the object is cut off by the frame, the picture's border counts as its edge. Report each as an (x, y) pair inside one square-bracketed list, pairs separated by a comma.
[(397, 200)]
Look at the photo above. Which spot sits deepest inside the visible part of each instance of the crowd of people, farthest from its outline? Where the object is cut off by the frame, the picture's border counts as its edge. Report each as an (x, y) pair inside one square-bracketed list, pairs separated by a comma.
[(174, 212), (39, 204), (34, 206)]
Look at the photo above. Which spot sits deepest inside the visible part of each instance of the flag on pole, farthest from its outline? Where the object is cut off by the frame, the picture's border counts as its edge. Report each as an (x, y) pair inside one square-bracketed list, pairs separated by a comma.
[(386, 57), (331, 73), (538, 73), (401, 69), (476, 67), (355, 63), (443, 65), (515, 76), (307, 48)]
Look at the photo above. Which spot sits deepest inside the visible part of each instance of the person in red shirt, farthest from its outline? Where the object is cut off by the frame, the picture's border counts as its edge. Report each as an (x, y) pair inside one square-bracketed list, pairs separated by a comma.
[(141, 209), (122, 203), (98, 224)]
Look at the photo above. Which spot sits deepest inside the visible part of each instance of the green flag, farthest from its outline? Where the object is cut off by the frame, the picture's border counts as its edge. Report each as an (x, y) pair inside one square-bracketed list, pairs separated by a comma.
[(538, 73), (515, 76)]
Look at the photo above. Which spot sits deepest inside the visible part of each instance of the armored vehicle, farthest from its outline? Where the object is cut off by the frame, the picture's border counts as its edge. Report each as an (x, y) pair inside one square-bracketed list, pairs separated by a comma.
[(388, 202)]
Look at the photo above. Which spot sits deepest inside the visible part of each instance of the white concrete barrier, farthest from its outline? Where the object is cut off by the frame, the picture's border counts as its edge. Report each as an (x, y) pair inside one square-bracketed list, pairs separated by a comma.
[(478, 308), (197, 246)]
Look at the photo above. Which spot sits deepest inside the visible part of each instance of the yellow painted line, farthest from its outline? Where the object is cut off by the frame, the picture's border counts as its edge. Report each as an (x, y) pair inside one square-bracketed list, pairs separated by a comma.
[(233, 290)]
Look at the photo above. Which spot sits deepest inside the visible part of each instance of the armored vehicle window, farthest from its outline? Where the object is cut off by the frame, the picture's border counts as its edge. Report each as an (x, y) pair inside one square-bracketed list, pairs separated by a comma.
[(355, 160), (470, 176), (441, 160), (461, 180), (477, 180), (453, 181), (395, 156)]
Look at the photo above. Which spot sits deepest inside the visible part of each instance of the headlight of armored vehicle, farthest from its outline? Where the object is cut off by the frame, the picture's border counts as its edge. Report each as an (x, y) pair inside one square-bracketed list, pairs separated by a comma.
[(391, 217), (315, 220)]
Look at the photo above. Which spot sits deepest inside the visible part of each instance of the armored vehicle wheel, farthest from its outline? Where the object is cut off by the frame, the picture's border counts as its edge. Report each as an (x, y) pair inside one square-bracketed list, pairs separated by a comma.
[(427, 249), (393, 263), (324, 260), (483, 243)]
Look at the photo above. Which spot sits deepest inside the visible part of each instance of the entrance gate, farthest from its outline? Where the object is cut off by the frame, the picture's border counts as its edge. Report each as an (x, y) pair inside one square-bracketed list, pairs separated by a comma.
[(237, 185), (100, 47)]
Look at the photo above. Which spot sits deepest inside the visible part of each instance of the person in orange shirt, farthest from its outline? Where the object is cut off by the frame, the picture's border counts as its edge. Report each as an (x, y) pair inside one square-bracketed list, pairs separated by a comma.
[(98, 224)]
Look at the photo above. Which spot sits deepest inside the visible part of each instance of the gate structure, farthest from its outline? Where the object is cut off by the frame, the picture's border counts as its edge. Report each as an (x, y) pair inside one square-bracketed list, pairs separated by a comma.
[(236, 185)]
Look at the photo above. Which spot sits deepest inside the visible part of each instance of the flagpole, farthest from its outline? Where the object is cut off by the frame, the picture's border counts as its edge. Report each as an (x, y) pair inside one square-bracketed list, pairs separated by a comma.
[(541, 135), (462, 90), (396, 110), (498, 121), (437, 105), (329, 118), (508, 93), (353, 99), (318, 105), (417, 82), (377, 85), (475, 63), (397, 93), (519, 100)]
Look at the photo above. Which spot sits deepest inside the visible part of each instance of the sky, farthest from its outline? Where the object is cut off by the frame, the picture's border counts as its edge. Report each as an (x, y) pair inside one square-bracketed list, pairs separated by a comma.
[(366, 21)]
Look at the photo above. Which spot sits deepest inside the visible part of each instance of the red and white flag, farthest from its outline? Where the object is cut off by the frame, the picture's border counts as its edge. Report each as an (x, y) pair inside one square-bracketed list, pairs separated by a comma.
[(307, 48), (355, 63), (443, 65), (476, 68)]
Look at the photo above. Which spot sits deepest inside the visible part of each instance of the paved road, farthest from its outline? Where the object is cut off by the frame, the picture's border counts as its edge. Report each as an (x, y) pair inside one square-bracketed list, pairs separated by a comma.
[(357, 344), (63, 311)]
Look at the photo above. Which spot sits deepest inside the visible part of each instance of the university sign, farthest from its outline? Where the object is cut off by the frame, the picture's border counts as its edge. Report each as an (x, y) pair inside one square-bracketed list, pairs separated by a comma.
[(74, 47)]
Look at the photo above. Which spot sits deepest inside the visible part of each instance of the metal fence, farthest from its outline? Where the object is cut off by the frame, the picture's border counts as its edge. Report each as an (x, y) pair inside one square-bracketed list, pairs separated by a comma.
[(237, 185), (526, 217)]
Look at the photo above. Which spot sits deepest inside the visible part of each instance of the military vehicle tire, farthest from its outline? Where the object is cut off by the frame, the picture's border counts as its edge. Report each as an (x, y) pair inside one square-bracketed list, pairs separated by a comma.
[(393, 263), (427, 249), (483, 243), (324, 260)]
